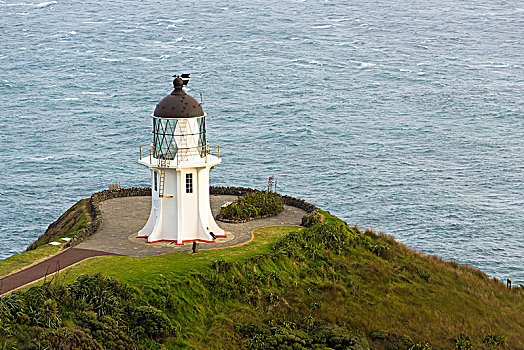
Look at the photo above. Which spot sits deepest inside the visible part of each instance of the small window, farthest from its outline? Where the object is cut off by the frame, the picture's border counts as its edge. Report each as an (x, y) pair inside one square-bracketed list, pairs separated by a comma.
[(189, 183), (155, 181)]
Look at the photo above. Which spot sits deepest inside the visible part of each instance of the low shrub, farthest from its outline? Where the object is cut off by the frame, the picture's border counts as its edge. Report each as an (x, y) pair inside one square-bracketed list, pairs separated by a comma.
[(494, 341), (151, 322), (311, 219), (304, 335), (462, 342), (252, 205)]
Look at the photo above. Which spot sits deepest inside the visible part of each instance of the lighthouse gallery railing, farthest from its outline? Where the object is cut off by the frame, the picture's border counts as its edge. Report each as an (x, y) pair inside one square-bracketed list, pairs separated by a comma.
[(181, 154)]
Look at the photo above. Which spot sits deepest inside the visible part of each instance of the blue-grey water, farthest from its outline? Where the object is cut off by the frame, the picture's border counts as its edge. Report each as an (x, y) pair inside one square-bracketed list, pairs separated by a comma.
[(405, 116)]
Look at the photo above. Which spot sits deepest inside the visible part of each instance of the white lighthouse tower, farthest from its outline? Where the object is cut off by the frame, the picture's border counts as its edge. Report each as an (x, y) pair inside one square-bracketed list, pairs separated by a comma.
[(180, 160)]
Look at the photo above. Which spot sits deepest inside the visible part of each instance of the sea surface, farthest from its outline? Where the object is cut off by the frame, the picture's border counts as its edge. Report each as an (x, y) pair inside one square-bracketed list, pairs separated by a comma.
[(404, 116)]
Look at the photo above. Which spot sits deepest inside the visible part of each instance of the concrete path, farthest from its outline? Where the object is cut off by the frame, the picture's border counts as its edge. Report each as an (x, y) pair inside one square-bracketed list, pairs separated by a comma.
[(47, 267), (124, 217)]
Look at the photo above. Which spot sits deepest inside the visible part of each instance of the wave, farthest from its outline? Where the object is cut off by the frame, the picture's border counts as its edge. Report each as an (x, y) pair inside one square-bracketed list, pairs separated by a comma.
[(110, 59), (322, 26), (38, 5), (180, 20), (141, 59), (42, 159), (45, 4), (365, 64)]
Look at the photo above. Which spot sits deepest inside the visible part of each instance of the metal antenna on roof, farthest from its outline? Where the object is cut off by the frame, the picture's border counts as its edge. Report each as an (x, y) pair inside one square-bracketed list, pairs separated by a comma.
[(200, 98)]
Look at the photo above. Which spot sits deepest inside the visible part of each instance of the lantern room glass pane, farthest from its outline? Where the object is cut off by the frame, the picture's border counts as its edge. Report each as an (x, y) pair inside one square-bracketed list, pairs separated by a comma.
[(192, 139), (202, 137), (164, 145)]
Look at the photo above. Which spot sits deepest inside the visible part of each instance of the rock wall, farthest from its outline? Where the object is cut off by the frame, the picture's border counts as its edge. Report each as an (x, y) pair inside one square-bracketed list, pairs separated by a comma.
[(96, 199)]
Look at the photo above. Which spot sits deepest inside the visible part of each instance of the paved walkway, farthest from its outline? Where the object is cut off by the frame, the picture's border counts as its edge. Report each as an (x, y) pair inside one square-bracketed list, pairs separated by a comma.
[(124, 217), (47, 267)]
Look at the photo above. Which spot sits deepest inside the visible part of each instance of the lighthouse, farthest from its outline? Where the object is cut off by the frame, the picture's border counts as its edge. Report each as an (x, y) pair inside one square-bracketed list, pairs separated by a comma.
[(180, 159)]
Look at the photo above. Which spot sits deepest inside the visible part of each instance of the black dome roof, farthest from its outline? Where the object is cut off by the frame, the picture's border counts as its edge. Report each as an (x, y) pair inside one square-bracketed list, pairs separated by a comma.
[(178, 104)]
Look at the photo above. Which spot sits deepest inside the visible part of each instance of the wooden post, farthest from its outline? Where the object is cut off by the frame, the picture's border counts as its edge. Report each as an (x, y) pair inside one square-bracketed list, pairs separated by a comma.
[(195, 247)]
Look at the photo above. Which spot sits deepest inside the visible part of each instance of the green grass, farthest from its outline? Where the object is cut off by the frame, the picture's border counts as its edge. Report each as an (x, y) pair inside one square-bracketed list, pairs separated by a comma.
[(19, 261), (146, 271)]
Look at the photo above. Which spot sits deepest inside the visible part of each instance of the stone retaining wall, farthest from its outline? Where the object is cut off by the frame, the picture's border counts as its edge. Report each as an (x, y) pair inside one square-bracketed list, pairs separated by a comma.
[(97, 198)]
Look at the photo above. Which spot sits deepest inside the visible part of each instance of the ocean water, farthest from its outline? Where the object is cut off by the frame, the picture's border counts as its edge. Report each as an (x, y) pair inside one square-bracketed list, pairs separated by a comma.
[(404, 116)]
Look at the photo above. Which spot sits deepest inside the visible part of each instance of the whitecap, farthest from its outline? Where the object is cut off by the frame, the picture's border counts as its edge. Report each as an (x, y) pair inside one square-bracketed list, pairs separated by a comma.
[(141, 59), (180, 20), (365, 64), (194, 47), (35, 5), (42, 159), (92, 93), (72, 32), (315, 62), (339, 19), (110, 59), (41, 5), (322, 26), (496, 65)]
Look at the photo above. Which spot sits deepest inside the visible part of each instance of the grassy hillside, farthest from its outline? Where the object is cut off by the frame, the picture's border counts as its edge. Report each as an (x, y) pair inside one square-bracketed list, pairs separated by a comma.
[(74, 220), (324, 287)]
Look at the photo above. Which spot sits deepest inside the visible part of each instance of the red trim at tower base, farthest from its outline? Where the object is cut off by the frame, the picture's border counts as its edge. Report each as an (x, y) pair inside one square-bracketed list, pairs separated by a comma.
[(184, 241)]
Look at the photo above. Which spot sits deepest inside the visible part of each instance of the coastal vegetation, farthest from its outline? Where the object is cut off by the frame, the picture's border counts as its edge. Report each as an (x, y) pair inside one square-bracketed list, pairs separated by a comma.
[(327, 286), (252, 205)]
